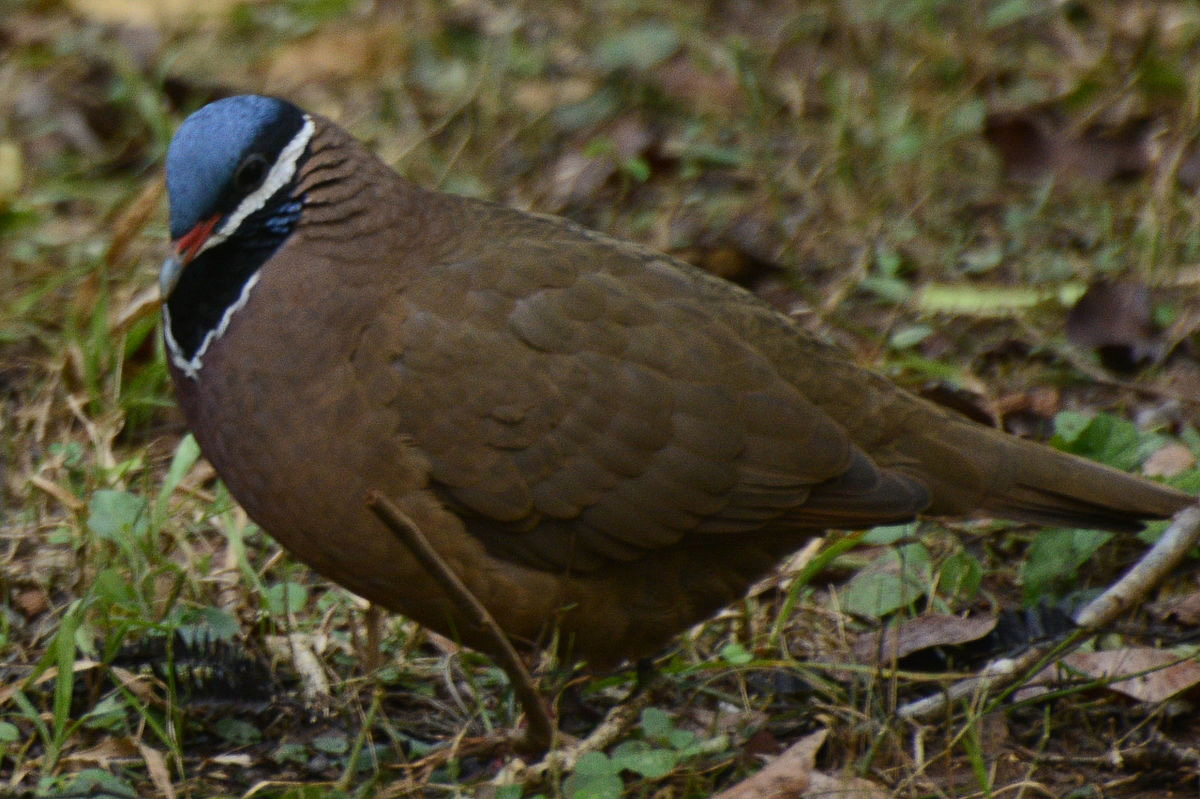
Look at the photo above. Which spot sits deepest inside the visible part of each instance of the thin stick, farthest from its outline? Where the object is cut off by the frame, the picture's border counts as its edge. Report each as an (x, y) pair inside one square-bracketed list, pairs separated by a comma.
[(1176, 542), (560, 761), (540, 733)]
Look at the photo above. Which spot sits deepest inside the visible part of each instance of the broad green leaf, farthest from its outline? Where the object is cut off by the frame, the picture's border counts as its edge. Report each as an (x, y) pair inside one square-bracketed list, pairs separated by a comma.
[(595, 777), (237, 731), (639, 48), (894, 580), (736, 654), (286, 597), (656, 723), (961, 575), (1054, 557), (118, 516), (643, 759)]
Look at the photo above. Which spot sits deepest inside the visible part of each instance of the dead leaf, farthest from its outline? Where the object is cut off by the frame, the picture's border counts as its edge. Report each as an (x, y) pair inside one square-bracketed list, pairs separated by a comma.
[(1114, 318), (337, 53), (1171, 460), (159, 13), (133, 219), (1159, 674), (788, 775), (1184, 610), (841, 786), (79, 666), (709, 91), (32, 602), (1040, 142), (792, 775), (156, 765), (103, 753), (11, 169), (578, 175), (139, 306), (913, 635)]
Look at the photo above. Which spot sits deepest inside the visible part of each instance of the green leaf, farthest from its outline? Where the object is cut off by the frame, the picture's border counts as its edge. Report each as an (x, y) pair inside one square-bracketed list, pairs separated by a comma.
[(1007, 12), (681, 739), (643, 759), (909, 336), (237, 732), (331, 744), (961, 575), (736, 655), (9, 732), (889, 534), (186, 455), (656, 723), (97, 782), (608, 786), (207, 623), (595, 777), (118, 516), (895, 579), (286, 597), (510, 792), (1054, 557), (639, 48), (1103, 437), (291, 753), (112, 587), (595, 764)]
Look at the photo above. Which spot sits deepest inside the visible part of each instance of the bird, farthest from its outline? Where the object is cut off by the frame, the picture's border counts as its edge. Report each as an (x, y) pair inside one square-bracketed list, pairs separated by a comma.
[(605, 444)]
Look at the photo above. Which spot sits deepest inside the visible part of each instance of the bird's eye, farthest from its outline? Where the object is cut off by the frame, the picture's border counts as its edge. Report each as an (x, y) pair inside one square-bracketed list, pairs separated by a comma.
[(250, 173)]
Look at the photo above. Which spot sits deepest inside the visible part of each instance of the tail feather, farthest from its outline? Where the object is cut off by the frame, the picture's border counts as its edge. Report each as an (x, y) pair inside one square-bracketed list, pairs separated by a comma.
[(1056, 488), (977, 470)]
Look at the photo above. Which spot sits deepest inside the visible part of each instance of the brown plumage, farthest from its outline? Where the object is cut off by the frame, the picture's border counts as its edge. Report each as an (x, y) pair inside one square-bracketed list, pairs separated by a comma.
[(592, 434)]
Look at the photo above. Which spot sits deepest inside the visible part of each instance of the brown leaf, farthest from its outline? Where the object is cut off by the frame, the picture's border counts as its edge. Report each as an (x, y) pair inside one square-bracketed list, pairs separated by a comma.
[(103, 753), (1115, 319), (788, 775), (932, 629), (1172, 459), (161, 13), (156, 765), (32, 602), (578, 176), (792, 775), (337, 53), (1166, 674), (1038, 142), (133, 218), (708, 91), (1184, 610)]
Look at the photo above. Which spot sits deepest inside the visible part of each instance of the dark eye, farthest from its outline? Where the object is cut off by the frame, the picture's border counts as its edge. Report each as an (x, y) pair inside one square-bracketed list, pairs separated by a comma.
[(250, 173)]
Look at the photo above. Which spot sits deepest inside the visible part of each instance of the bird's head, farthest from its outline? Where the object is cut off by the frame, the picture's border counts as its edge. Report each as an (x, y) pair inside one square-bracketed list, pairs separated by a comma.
[(228, 161)]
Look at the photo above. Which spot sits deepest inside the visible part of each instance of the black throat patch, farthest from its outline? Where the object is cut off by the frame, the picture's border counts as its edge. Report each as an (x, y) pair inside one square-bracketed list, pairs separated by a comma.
[(216, 280)]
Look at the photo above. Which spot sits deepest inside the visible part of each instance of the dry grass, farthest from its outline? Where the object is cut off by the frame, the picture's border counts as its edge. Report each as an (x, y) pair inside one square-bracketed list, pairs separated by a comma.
[(835, 157)]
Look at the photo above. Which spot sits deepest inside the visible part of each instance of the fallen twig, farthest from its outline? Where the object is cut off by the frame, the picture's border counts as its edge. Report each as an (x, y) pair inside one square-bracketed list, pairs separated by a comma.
[(1180, 537)]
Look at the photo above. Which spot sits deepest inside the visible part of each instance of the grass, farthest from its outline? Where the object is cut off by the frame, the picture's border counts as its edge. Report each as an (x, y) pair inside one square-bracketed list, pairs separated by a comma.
[(834, 157)]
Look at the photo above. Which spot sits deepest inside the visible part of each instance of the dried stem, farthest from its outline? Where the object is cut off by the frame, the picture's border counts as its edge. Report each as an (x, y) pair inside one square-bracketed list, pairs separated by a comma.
[(540, 732)]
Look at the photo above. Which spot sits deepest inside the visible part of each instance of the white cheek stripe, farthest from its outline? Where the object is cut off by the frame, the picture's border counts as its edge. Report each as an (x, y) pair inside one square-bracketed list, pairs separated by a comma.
[(191, 368), (281, 172)]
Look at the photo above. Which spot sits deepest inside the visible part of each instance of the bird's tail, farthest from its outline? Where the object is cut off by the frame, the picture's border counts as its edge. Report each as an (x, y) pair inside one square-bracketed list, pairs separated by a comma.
[(988, 472)]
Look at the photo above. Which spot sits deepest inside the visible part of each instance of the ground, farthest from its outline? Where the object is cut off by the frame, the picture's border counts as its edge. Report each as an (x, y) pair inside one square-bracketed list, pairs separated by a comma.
[(994, 203)]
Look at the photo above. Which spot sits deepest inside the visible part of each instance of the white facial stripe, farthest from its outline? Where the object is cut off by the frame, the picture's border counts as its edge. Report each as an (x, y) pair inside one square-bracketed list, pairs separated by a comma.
[(281, 172), (191, 367)]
